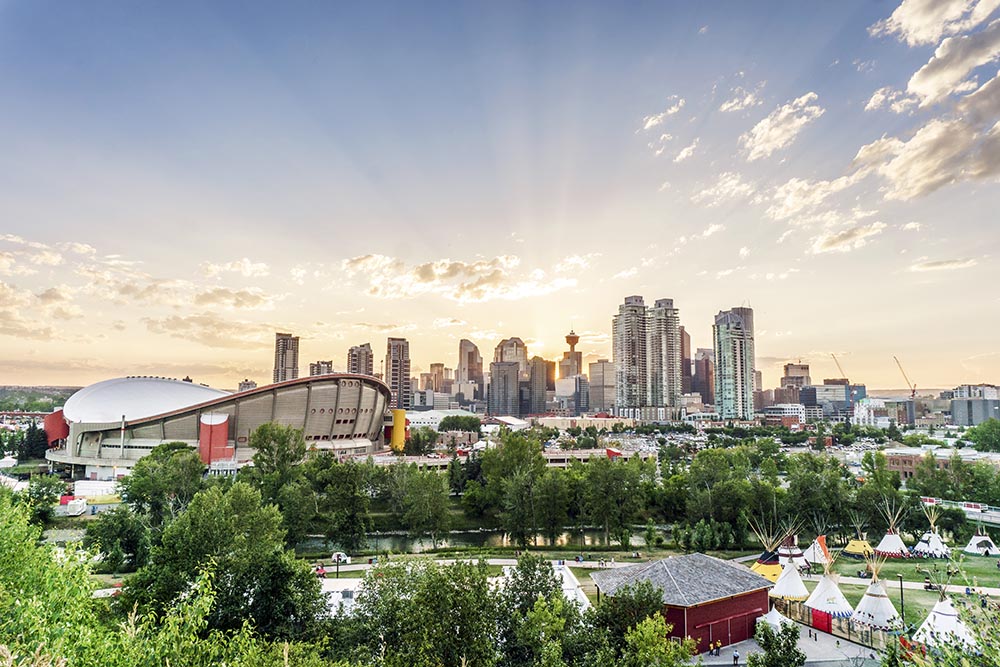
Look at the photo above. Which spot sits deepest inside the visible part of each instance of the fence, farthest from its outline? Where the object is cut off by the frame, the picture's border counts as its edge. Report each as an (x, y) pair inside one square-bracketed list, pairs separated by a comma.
[(839, 627)]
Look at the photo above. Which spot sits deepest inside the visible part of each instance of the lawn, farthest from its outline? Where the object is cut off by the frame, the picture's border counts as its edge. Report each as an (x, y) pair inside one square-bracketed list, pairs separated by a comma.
[(976, 570)]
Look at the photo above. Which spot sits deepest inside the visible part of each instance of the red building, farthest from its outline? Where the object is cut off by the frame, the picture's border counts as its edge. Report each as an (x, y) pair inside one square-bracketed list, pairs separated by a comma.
[(704, 598)]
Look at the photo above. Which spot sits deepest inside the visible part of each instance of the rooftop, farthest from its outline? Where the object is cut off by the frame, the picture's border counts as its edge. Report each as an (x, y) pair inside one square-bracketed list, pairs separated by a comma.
[(135, 398)]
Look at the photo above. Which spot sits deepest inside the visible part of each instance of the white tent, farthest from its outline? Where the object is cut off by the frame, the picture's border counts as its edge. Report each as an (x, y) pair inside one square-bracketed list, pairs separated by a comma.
[(789, 552), (943, 626), (816, 553), (931, 546), (774, 619), (982, 544), (875, 608), (828, 598), (892, 545), (789, 585)]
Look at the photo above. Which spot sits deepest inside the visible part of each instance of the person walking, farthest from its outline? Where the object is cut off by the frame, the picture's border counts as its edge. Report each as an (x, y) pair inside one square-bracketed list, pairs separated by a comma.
[(736, 657)]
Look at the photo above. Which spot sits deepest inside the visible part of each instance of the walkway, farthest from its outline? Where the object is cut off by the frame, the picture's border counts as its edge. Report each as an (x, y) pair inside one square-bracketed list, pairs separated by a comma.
[(823, 651)]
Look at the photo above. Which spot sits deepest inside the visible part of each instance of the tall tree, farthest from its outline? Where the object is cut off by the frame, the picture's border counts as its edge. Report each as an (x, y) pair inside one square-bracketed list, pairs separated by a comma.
[(163, 482)]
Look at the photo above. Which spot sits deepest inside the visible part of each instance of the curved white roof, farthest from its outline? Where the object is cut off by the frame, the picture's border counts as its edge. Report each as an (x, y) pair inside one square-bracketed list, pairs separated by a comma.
[(134, 397)]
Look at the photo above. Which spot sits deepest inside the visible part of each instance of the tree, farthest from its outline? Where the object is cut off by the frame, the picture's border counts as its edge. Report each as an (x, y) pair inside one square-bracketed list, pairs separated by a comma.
[(234, 535), (163, 482), (421, 441), (280, 449), (42, 496), (986, 436), (425, 504), (551, 502), (35, 443), (612, 496), (648, 644), (122, 537), (342, 500), (470, 424), (781, 648), (630, 605)]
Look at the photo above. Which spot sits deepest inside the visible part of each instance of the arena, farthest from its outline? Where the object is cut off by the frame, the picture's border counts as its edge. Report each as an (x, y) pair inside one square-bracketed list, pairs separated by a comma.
[(106, 427)]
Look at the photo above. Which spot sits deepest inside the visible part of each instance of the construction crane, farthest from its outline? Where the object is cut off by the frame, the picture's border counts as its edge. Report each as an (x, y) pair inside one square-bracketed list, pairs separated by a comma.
[(909, 385), (839, 367), (850, 390)]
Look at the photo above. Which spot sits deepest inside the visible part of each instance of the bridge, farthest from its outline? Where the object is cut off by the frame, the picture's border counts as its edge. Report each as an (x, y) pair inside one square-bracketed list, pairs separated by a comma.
[(977, 512)]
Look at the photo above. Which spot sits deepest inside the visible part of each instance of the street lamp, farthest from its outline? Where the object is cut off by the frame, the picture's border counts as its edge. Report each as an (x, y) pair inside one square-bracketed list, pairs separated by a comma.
[(902, 603)]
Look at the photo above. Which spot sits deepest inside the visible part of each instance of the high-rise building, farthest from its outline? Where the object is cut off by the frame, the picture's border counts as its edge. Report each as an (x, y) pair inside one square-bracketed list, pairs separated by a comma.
[(572, 362), (796, 375), (470, 364), (602, 386), (360, 360), (286, 357), (538, 371), (320, 368), (628, 333), (734, 363), (663, 354), (397, 372), (247, 385), (703, 380), (504, 394), (513, 349), (685, 361), (437, 377)]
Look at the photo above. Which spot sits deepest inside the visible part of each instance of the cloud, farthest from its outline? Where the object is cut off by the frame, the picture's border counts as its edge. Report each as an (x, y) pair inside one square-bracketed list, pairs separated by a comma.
[(78, 248), (744, 252), (626, 273), (674, 104), (385, 327), (918, 22), (710, 230), (742, 99), (213, 331), (14, 303), (687, 151), (445, 322), (238, 299), (575, 262), (911, 227), (464, 282), (797, 195), (703, 30), (846, 240), (729, 185), (781, 127), (243, 266), (942, 265), (895, 100), (945, 73)]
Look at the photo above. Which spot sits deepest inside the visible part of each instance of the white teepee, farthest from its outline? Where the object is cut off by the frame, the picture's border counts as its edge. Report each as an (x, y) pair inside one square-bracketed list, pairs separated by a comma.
[(789, 552), (816, 552), (789, 585), (775, 619), (982, 544), (931, 545), (827, 596), (943, 626), (875, 608), (892, 545)]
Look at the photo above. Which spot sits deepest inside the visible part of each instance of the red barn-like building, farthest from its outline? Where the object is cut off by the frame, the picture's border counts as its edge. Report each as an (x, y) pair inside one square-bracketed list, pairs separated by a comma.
[(704, 598)]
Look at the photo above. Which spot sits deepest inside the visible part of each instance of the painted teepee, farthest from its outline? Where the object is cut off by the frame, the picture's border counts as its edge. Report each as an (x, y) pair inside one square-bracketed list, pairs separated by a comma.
[(789, 585), (858, 547), (817, 553), (767, 564), (875, 609), (943, 626), (982, 544), (789, 552), (827, 596), (931, 545), (892, 545)]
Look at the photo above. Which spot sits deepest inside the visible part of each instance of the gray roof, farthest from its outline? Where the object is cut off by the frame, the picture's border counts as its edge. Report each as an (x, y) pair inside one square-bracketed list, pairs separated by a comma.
[(686, 581)]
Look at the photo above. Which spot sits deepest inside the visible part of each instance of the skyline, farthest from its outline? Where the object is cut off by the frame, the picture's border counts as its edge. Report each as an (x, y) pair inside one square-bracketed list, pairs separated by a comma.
[(349, 174)]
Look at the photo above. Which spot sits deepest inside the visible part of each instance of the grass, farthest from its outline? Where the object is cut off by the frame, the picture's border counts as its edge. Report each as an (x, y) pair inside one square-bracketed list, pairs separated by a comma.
[(976, 570)]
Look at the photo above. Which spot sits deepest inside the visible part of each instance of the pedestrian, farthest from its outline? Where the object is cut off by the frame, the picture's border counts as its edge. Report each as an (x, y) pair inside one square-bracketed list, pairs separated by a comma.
[(736, 657), (718, 648)]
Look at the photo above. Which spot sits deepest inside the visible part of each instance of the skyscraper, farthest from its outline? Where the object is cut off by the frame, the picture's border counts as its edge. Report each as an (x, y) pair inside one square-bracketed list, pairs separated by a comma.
[(504, 396), (572, 362), (320, 368), (796, 375), (470, 366), (685, 361), (734, 363), (437, 377), (628, 332), (286, 357), (538, 377), (513, 349), (397, 372), (663, 354), (247, 385), (602, 386), (703, 380), (360, 360)]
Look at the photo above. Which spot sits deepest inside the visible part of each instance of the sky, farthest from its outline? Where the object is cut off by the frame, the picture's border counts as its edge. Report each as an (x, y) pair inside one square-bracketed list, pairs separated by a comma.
[(179, 181)]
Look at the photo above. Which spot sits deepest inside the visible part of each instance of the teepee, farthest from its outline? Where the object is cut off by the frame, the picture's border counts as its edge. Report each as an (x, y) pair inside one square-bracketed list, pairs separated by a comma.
[(892, 545), (789, 585), (875, 609), (827, 596), (982, 544), (931, 544), (775, 619), (789, 552), (943, 626), (859, 546), (817, 553), (767, 564)]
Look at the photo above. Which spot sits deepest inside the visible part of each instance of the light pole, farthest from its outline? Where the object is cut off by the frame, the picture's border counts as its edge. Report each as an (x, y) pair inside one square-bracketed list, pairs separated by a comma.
[(902, 603)]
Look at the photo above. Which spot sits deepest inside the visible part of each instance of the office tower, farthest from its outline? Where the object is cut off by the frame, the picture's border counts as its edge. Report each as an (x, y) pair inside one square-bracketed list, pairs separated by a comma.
[(734, 363), (703, 379), (470, 367), (572, 362), (320, 368), (426, 382), (437, 377), (513, 349), (663, 355), (796, 375), (504, 391), (397, 372), (538, 371), (685, 361), (628, 332), (286, 357), (247, 385), (602, 386), (360, 360)]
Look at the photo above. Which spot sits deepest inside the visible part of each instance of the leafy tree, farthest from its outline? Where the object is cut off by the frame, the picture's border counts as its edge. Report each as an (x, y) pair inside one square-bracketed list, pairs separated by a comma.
[(986, 436), (233, 534), (163, 482), (470, 424), (34, 444), (122, 537), (421, 441), (781, 648), (517, 513), (42, 496), (342, 500), (629, 606), (425, 505), (648, 644), (551, 502), (279, 450), (612, 496)]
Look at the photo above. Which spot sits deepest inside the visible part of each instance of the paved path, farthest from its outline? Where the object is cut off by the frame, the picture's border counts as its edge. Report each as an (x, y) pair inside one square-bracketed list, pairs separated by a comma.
[(824, 650)]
